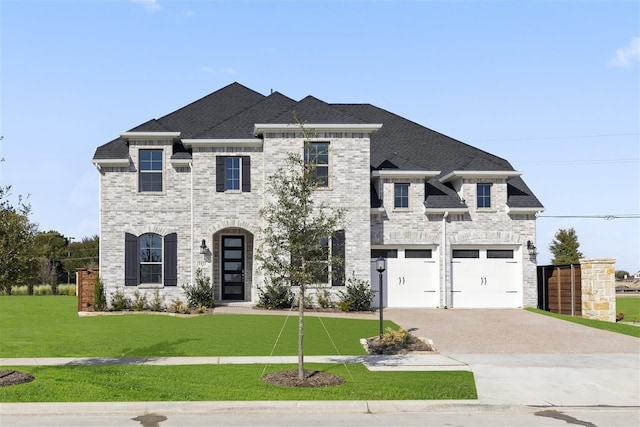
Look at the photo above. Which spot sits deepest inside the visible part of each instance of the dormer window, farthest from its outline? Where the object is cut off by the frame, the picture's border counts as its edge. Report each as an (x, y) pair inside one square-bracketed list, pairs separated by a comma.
[(484, 195), (401, 196)]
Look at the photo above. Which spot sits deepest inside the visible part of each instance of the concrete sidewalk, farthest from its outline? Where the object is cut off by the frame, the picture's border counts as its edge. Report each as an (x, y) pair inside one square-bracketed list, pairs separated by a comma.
[(406, 362)]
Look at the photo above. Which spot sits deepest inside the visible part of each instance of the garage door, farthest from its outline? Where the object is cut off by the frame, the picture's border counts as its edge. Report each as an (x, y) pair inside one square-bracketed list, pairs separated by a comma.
[(486, 278), (411, 278)]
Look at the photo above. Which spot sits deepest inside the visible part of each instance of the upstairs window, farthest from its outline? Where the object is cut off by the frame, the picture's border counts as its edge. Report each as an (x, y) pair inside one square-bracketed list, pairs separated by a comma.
[(233, 173), (484, 195), (401, 196), (150, 170), (317, 154)]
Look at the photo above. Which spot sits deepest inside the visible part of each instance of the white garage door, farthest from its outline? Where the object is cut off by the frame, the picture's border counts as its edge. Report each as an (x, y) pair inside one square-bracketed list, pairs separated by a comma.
[(411, 278), (486, 278)]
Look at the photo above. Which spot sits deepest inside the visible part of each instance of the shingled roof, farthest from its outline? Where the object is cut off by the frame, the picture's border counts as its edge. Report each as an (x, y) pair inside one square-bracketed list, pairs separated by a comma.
[(233, 111)]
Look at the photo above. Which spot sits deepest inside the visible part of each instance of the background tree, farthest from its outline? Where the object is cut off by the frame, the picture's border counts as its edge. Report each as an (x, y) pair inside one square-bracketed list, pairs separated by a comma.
[(18, 263), (292, 252), (621, 274), (565, 247), (50, 247), (82, 254)]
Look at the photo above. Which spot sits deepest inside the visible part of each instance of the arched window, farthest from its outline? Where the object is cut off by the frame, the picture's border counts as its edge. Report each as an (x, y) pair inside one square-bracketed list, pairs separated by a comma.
[(150, 246)]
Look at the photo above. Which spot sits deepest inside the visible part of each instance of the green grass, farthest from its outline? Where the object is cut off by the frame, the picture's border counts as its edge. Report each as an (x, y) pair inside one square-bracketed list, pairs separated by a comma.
[(630, 306), (50, 327), (620, 328), (228, 382)]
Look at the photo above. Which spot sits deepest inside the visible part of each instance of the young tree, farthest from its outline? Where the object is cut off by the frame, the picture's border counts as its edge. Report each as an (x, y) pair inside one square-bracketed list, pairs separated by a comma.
[(18, 263), (565, 247), (293, 252)]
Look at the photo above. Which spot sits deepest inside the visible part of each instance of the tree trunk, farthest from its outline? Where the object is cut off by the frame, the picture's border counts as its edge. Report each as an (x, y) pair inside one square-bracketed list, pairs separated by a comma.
[(300, 332)]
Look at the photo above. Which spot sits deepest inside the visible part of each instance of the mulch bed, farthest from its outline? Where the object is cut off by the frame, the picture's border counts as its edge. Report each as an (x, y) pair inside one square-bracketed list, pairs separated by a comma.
[(8, 377), (374, 346), (311, 379)]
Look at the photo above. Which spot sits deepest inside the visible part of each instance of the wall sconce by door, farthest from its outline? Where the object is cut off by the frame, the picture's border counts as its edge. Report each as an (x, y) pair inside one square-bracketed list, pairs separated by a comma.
[(531, 248), (203, 247)]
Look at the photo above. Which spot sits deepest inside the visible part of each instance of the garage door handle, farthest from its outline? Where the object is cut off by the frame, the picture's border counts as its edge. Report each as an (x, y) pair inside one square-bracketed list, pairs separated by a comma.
[(429, 291), (459, 292), (512, 292)]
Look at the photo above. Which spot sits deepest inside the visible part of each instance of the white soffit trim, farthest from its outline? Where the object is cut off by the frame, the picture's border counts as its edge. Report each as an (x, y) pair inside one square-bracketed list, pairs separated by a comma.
[(180, 162), (428, 211), (247, 142), (525, 210), (149, 135), (394, 173), (113, 163), (479, 174), (260, 128)]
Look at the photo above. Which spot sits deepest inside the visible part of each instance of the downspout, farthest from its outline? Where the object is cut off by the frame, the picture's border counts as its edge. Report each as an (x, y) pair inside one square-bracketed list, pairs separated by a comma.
[(191, 172), (443, 256)]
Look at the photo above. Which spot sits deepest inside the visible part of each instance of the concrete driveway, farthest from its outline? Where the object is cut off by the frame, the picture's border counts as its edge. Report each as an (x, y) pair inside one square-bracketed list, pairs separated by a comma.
[(524, 358)]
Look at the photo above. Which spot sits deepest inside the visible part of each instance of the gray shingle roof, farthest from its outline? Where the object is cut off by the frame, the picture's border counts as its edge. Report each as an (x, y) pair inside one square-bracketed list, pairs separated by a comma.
[(232, 112)]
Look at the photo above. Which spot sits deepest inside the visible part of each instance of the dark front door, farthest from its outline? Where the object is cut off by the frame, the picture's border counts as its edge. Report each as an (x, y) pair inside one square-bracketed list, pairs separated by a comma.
[(232, 267)]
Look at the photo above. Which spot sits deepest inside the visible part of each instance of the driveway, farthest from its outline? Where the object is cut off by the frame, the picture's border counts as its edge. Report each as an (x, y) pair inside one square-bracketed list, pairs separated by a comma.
[(519, 357)]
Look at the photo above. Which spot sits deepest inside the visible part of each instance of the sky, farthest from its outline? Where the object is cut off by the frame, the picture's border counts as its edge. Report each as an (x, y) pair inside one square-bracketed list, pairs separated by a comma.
[(551, 86)]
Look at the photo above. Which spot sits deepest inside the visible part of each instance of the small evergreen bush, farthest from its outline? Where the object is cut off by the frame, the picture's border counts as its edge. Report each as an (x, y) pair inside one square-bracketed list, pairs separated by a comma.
[(157, 303), (119, 301), (99, 297), (139, 302), (356, 297), (275, 296), (200, 293)]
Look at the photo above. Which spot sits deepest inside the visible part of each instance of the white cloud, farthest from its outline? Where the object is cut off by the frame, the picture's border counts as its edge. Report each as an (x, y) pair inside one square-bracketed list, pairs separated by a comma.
[(149, 5), (625, 56)]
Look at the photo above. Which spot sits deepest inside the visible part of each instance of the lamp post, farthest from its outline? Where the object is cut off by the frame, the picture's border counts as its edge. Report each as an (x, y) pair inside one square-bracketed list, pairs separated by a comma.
[(381, 267)]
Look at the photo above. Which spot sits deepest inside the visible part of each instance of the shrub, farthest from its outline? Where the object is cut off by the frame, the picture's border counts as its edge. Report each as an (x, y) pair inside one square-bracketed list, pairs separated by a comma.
[(178, 306), (391, 342), (119, 301), (42, 290), (99, 297), (157, 303), (620, 317), (67, 290), (307, 303), (275, 296), (324, 298), (356, 297), (139, 301), (201, 309), (200, 293), (20, 290)]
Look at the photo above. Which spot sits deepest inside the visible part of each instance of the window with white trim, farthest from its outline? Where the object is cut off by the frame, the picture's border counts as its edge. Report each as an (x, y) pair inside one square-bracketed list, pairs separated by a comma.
[(317, 154), (401, 195), (150, 170), (484, 195), (150, 258)]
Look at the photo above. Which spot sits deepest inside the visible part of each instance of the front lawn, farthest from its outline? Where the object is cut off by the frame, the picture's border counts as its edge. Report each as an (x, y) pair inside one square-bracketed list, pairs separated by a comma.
[(620, 328), (50, 327), (630, 306), (228, 382), (45, 326)]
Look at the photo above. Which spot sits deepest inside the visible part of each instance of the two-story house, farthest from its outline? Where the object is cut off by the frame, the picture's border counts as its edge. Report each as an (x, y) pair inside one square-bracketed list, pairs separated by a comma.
[(183, 192)]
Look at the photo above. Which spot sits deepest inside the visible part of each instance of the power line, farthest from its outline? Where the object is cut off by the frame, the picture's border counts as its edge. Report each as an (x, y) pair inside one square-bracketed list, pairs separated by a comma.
[(606, 217), (530, 138)]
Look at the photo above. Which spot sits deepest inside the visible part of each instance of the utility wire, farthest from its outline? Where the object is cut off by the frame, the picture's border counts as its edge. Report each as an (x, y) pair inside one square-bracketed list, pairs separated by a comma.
[(606, 217), (554, 137)]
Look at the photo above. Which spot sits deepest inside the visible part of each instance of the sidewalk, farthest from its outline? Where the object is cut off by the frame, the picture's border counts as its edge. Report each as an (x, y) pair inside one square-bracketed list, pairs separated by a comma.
[(407, 362)]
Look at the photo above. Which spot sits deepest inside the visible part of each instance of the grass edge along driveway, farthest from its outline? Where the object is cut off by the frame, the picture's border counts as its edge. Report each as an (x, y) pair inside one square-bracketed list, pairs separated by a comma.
[(48, 326)]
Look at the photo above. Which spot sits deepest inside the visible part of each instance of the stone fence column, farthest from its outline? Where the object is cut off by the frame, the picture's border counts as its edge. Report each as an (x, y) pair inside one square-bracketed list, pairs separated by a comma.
[(598, 288)]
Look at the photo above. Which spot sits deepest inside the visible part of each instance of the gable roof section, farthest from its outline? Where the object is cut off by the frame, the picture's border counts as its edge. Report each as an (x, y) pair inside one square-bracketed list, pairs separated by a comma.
[(314, 111)]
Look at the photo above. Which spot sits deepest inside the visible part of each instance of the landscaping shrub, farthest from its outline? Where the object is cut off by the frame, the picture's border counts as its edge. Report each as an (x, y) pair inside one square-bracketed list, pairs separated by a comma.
[(200, 293), (20, 290), (178, 306), (119, 301), (99, 298), (323, 296), (620, 317), (157, 303), (139, 301), (356, 297), (67, 290), (42, 290), (275, 296)]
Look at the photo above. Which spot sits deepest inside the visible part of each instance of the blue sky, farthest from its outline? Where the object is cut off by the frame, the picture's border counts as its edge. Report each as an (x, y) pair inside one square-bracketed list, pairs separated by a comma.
[(552, 86)]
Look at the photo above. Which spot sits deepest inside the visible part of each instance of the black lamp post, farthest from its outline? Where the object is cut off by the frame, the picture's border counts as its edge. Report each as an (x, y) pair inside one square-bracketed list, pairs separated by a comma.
[(381, 266)]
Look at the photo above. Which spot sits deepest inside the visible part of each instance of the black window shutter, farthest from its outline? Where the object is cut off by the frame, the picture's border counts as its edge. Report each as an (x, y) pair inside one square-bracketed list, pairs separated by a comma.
[(171, 259), (131, 260), (220, 173), (338, 252), (246, 173)]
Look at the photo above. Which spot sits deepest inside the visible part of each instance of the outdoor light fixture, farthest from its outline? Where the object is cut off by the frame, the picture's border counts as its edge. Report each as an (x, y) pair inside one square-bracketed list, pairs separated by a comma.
[(531, 248), (203, 247), (381, 266)]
